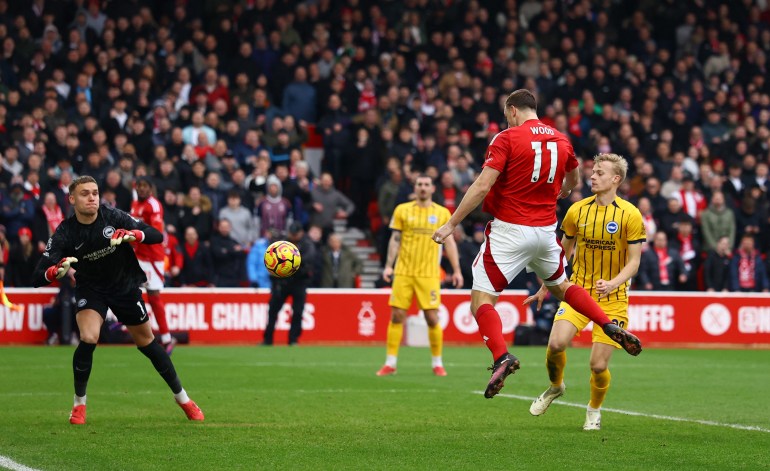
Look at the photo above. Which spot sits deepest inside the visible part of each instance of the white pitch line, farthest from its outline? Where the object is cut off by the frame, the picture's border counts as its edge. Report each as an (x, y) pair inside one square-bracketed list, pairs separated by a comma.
[(752, 428), (8, 463)]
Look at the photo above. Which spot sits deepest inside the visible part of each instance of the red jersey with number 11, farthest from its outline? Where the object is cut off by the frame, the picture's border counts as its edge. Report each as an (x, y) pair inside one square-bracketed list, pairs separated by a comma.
[(532, 160)]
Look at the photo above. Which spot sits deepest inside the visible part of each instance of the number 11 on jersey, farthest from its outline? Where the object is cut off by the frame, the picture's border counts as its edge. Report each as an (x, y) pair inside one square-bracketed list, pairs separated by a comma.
[(552, 147)]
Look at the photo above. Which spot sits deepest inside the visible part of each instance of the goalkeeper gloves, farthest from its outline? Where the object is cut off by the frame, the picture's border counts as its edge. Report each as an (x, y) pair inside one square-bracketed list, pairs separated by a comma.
[(60, 269), (126, 235)]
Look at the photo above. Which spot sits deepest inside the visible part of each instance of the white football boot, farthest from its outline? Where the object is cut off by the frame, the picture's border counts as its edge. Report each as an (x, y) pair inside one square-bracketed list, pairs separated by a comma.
[(540, 405), (593, 420)]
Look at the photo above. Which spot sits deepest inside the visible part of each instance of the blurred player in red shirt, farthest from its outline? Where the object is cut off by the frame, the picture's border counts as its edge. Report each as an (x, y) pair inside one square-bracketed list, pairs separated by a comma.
[(527, 168), (152, 257)]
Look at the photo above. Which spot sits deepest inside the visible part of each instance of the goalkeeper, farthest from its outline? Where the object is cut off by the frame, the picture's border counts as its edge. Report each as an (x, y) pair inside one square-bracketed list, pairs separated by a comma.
[(94, 241)]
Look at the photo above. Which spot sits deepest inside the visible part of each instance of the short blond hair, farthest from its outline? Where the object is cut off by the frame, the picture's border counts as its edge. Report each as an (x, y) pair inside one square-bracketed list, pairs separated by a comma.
[(619, 164)]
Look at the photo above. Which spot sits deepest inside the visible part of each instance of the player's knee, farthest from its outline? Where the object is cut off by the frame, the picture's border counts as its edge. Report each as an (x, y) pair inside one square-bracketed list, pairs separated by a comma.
[(599, 366), (431, 319), (556, 345), (89, 337), (560, 290), (398, 317)]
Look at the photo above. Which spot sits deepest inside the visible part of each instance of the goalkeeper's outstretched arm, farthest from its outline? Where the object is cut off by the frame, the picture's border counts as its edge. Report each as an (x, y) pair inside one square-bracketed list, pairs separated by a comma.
[(54, 263)]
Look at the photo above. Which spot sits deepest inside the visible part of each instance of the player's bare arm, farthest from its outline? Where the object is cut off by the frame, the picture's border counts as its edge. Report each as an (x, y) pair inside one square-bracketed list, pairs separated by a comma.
[(603, 288), (568, 244), (454, 260), (393, 246), (571, 179), (473, 197)]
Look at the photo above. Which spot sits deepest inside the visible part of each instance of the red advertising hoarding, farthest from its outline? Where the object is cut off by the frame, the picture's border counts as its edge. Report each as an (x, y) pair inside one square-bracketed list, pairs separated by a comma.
[(220, 316)]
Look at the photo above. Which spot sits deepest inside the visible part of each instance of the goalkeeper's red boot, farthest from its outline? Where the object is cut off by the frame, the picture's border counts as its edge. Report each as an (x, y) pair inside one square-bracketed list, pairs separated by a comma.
[(439, 371), (192, 410), (504, 366), (386, 371), (169, 346), (78, 415)]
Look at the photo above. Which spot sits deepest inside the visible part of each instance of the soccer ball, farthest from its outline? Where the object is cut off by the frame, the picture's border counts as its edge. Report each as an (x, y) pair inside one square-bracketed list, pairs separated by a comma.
[(282, 259)]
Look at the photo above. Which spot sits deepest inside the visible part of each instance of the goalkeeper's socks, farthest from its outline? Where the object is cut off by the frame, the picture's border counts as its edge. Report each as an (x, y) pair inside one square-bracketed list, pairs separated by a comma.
[(391, 360), (181, 397), (491, 330), (163, 365), (79, 401), (436, 361), (82, 360)]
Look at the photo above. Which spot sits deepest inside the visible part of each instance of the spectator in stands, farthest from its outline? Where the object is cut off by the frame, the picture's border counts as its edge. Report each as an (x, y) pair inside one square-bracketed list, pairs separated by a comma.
[(243, 228), (692, 201), (717, 221), (18, 210), (174, 257), (652, 193), (299, 97), (334, 128), (167, 177), (671, 217), (747, 269), (328, 204), (734, 185), (196, 212), (215, 191), (661, 267), (256, 271), (467, 249), (340, 266), (716, 269), (47, 218), (196, 268), (22, 259), (273, 209), (747, 218), (228, 256), (650, 225), (363, 162), (688, 247), (190, 133), (122, 194)]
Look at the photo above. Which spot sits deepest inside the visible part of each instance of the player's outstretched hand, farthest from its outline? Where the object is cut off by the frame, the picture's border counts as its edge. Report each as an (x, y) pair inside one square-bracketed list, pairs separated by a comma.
[(126, 235), (442, 233), (387, 274), (60, 269), (539, 297), (457, 279)]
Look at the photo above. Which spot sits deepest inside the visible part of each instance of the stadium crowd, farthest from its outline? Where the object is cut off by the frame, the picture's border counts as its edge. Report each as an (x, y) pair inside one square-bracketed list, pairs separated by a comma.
[(215, 101)]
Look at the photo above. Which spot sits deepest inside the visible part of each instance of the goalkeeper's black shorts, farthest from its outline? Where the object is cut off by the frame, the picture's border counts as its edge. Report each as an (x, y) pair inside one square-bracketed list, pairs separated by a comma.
[(128, 308)]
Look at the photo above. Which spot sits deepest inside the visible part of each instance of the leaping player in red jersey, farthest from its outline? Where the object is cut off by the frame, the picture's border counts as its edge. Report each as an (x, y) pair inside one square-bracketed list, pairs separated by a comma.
[(527, 168), (151, 257)]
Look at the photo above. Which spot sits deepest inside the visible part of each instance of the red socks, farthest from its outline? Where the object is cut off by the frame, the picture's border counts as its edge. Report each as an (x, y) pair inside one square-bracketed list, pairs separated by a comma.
[(159, 309), (583, 303), (491, 330)]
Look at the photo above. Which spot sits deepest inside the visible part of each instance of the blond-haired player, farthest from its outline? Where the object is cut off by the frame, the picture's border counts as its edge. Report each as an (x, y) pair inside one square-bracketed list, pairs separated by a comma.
[(605, 233), (417, 260)]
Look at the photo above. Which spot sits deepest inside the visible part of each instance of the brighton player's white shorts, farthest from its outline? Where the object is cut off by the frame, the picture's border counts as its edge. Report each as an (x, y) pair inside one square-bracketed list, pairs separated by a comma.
[(154, 273), (510, 248)]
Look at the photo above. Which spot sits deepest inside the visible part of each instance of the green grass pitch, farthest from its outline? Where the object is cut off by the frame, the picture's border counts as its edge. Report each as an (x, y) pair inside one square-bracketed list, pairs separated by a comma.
[(318, 407)]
